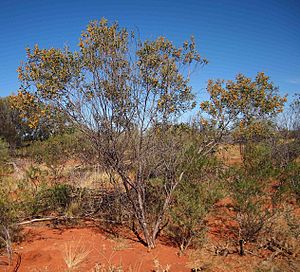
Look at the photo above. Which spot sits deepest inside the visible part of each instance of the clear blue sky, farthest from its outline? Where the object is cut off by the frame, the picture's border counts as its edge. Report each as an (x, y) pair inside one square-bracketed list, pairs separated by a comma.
[(235, 36)]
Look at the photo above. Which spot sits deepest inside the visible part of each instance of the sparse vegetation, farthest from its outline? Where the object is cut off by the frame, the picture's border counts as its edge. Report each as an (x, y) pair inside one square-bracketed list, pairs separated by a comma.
[(100, 135)]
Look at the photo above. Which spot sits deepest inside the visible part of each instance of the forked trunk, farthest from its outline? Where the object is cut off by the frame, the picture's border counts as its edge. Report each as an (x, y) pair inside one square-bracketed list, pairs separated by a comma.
[(149, 240)]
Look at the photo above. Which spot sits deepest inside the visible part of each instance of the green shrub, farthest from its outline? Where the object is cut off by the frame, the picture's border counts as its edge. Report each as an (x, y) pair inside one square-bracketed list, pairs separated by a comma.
[(258, 160), (8, 216), (4, 156), (291, 179), (255, 206), (193, 200), (4, 151), (54, 152), (34, 176), (256, 203), (50, 199)]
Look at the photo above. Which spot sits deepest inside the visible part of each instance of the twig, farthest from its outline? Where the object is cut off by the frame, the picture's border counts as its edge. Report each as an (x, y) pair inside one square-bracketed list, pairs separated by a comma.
[(252, 253), (51, 218), (40, 220)]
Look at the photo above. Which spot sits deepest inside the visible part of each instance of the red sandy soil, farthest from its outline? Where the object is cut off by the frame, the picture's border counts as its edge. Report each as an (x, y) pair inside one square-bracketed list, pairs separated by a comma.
[(43, 250), (44, 247)]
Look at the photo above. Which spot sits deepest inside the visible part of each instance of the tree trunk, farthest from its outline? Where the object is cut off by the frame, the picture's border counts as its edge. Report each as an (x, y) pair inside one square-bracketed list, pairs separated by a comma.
[(150, 241)]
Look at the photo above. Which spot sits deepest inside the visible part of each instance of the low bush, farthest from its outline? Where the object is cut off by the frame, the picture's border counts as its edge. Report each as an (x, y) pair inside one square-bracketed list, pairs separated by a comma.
[(7, 216), (249, 206), (9, 232), (44, 200), (255, 206), (54, 152), (290, 178), (4, 151), (193, 200), (258, 160), (51, 199), (4, 157)]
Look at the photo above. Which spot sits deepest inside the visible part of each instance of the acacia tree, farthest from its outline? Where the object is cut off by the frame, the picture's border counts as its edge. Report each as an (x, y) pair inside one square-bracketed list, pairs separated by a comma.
[(243, 106), (124, 95)]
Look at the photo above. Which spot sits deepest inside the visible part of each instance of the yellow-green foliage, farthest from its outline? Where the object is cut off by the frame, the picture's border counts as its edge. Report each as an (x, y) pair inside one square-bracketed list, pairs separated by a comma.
[(58, 74), (243, 104)]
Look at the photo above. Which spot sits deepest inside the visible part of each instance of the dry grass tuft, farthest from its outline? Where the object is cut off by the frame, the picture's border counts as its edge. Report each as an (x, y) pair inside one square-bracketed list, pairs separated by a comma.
[(159, 268), (74, 254)]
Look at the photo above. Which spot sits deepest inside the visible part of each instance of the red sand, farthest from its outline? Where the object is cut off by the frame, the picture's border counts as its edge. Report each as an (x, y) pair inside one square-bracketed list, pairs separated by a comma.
[(43, 250)]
